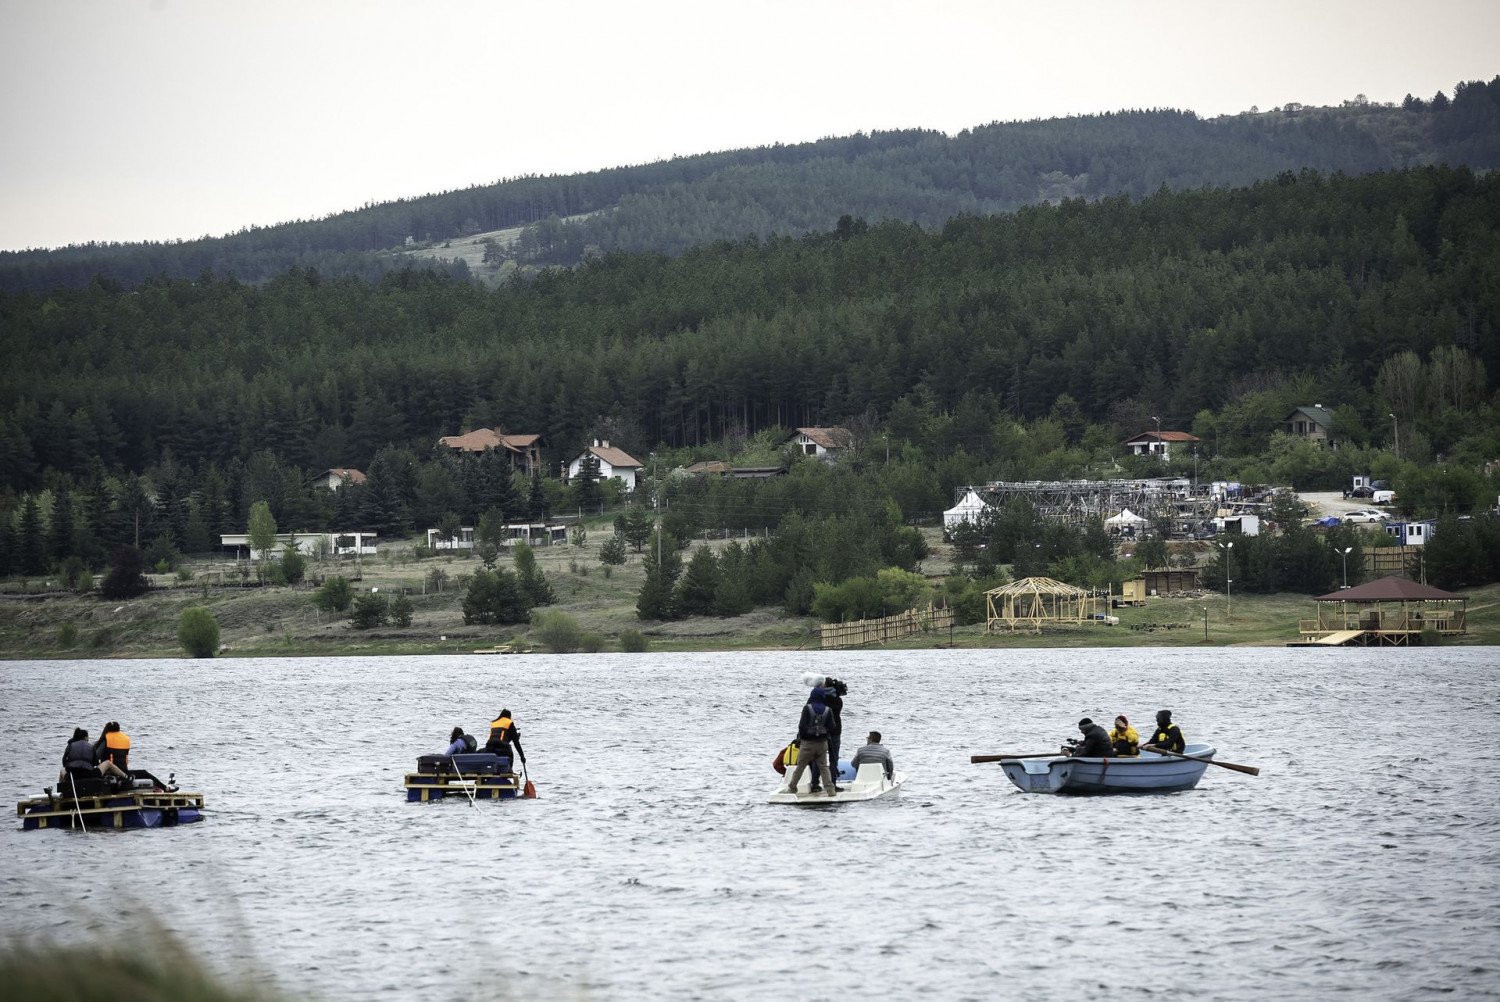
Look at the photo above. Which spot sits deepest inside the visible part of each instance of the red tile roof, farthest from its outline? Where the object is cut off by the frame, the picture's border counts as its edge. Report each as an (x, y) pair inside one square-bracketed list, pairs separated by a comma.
[(1165, 436), (353, 476)]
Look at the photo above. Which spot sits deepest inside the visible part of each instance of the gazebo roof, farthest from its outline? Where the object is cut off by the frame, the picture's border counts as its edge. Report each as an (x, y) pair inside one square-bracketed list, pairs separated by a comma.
[(1391, 589), (1038, 586)]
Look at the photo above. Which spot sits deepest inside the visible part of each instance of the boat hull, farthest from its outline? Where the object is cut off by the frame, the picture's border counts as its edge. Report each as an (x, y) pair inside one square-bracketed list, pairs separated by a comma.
[(869, 783), (1147, 773), (112, 811)]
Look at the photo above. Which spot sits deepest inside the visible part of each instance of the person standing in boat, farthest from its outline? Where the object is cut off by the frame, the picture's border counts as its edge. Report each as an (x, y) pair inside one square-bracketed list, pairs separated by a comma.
[(1124, 739), (812, 733), (503, 734), (833, 698), (874, 751), (1168, 735), (460, 743), (1095, 742)]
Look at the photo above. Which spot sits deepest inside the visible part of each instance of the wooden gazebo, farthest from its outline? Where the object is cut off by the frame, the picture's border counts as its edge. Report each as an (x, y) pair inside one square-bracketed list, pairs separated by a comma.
[(1031, 603), (1390, 611)]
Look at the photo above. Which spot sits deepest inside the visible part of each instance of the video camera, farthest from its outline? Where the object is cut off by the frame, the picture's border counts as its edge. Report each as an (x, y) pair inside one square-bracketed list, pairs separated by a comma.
[(837, 686)]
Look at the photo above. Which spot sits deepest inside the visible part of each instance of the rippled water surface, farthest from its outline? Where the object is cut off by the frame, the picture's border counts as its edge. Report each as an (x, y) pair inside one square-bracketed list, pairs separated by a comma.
[(1363, 861)]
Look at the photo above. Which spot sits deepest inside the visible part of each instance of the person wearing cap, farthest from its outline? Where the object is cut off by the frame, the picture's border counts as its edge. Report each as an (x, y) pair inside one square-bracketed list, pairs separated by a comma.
[(1124, 739), (1168, 735), (1095, 743)]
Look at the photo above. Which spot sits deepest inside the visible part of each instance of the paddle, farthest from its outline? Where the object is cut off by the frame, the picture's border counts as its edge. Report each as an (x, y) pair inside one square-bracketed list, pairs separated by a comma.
[(528, 792), (1002, 758), (1248, 770)]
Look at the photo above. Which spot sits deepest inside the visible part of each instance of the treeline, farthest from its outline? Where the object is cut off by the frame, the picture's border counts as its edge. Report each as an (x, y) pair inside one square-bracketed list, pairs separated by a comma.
[(991, 344), (915, 176)]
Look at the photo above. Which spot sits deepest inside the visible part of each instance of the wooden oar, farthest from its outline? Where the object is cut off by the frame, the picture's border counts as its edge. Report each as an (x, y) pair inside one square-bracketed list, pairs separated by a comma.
[(1248, 770), (1004, 758)]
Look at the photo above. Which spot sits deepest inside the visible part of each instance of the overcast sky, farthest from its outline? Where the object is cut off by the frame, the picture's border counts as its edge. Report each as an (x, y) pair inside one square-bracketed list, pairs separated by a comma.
[(162, 119)]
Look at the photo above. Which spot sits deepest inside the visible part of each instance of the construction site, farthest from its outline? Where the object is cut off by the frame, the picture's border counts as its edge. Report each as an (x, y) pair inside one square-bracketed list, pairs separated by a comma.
[(1177, 507)]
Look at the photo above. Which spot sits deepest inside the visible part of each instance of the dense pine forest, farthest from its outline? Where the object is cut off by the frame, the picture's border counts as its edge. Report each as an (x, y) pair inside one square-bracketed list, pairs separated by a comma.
[(1016, 345), (915, 176)]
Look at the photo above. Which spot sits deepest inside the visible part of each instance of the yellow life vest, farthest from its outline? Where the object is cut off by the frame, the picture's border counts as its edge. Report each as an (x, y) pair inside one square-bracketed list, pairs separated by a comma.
[(500, 730), (789, 756)]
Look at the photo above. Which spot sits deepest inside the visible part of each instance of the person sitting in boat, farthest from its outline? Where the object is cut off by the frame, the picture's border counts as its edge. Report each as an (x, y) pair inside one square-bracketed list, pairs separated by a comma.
[(503, 734), (460, 743), (1095, 743), (874, 751), (1168, 735), (80, 762), (1124, 739)]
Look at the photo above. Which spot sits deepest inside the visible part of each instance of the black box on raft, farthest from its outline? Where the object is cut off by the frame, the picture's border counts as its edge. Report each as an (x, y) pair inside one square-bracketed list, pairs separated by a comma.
[(475, 764)]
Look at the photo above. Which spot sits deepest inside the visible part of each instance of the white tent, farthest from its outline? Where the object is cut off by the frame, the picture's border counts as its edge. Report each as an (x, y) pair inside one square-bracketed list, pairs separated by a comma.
[(1126, 517), (967, 510)]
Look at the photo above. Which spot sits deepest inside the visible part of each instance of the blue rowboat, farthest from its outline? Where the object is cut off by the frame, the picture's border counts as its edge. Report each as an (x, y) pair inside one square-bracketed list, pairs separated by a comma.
[(1146, 773)]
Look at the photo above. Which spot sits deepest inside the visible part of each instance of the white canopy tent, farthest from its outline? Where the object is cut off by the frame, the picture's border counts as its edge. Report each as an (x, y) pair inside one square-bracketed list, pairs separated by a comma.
[(968, 510), (1125, 518)]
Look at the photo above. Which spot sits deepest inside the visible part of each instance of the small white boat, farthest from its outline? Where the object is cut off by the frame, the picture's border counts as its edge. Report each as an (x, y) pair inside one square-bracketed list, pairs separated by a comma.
[(1146, 773), (869, 783)]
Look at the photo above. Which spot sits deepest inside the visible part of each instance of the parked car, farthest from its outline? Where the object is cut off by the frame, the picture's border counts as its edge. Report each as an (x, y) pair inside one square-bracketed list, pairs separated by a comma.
[(1362, 491), (1364, 516), (1383, 497)]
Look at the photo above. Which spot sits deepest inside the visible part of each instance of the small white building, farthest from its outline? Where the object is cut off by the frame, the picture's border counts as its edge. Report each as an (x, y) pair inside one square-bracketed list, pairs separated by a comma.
[(437, 541), (825, 443), (1160, 443), (338, 476), (359, 543), (1411, 533), (614, 464)]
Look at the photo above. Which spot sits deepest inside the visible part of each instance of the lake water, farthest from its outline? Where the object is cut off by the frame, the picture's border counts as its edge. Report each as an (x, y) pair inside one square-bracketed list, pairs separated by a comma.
[(1363, 861)]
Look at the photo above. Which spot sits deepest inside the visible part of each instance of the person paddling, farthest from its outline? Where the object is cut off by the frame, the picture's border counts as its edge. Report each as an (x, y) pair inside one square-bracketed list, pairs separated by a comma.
[(1095, 743), (504, 734), (1168, 735)]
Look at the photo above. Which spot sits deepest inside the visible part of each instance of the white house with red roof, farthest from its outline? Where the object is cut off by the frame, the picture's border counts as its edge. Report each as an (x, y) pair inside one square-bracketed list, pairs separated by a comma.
[(825, 443), (1160, 443), (338, 476), (614, 463)]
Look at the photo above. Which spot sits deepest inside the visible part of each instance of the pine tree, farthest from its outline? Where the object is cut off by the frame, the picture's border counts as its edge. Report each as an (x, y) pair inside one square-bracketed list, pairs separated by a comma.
[(33, 539), (698, 588), (656, 598)]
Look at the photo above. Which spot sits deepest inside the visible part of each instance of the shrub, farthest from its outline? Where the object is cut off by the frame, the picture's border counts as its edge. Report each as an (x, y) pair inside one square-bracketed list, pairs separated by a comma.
[(67, 635), (293, 565), (633, 642), (591, 643), (370, 610), (401, 610), (613, 551), (184, 574), (557, 631), (85, 582), (494, 597), (198, 632), (335, 595), (102, 638), (126, 578), (437, 580)]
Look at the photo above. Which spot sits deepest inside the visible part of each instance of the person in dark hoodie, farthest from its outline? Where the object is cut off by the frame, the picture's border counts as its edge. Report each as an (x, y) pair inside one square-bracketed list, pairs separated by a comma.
[(833, 698), (812, 735), (1168, 735), (1095, 743), (503, 735)]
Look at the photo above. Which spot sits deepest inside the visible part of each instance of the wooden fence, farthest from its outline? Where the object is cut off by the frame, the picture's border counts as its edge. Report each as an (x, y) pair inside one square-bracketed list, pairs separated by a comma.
[(879, 631), (1381, 561)]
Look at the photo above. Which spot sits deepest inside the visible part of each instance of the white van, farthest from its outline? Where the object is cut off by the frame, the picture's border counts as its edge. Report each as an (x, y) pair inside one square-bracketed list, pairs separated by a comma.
[(1383, 497)]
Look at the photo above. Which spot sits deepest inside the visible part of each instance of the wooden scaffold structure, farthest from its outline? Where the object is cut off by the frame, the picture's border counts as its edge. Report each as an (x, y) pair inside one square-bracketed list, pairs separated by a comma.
[(1031, 603)]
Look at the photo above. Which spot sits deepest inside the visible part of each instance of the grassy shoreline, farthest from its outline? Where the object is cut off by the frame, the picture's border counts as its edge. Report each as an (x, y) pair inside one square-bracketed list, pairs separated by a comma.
[(283, 622)]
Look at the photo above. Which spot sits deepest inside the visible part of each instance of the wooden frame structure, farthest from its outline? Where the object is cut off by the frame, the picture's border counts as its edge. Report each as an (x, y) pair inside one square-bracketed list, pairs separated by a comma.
[(1389, 612), (1031, 603)]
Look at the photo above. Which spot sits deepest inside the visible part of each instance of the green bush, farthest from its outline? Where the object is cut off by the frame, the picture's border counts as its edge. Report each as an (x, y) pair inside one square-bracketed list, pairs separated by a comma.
[(556, 631), (370, 610), (633, 642), (293, 565), (591, 643), (198, 632), (401, 610), (335, 595), (67, 635)]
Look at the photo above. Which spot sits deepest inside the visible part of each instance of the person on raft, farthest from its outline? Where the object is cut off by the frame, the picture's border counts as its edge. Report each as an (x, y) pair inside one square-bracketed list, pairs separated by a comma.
[(113, 749), (460, 743), (1126, 742), (81, 762), (503, 734)]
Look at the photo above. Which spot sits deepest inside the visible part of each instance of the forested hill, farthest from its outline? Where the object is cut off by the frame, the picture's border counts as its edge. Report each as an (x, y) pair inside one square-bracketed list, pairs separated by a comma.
[(1217, 310), (916, 176)]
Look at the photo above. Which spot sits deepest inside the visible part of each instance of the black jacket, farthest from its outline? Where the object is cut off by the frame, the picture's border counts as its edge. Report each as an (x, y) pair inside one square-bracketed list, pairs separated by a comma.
[(1169, 737), (1095, 744), (816, 723)]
